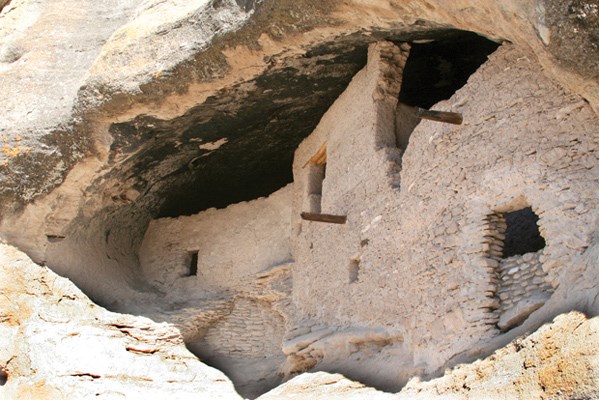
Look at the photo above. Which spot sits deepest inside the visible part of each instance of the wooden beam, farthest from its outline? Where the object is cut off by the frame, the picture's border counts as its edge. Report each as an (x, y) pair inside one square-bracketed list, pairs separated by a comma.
[(331, 219), (439, 116), (319, 158)]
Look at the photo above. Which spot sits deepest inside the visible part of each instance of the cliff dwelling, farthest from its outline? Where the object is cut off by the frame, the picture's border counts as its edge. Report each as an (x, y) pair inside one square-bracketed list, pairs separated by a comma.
[(280, 200)]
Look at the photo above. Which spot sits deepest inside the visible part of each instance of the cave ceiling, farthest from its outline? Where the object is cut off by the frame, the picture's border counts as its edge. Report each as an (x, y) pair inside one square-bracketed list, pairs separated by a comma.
[(238, 144)]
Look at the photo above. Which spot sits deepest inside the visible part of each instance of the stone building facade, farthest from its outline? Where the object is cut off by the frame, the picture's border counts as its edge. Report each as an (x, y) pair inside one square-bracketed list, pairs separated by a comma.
[(455, 235)]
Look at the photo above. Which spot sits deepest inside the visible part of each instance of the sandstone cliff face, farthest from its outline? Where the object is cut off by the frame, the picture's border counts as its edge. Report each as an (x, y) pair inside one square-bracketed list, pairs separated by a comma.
[(57, 344), (126, 121)]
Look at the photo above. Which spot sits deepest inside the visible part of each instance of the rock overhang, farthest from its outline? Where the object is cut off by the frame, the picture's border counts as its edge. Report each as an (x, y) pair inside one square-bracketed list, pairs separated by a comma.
[(259, 124), (206, 67)]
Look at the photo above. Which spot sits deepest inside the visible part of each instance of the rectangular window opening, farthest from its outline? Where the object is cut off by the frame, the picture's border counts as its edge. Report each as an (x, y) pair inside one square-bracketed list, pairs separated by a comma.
[(354, 270), (316, 177), (193, 263)]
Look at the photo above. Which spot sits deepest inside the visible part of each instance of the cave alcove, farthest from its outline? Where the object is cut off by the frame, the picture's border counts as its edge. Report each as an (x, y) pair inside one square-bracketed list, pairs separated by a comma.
[(236, 146)]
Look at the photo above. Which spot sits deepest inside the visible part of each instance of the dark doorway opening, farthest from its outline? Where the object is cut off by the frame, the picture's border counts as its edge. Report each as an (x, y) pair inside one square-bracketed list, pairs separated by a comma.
[(522, 233), (434, 71)]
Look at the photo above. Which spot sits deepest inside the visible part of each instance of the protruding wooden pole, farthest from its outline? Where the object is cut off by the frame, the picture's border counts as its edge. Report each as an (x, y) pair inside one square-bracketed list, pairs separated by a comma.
[(439, 116), (331, 219)]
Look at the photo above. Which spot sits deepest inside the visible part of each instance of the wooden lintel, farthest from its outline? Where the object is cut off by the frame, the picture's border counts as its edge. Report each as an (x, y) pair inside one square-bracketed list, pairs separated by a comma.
[(331, 219), (439, 116), (319, 158)]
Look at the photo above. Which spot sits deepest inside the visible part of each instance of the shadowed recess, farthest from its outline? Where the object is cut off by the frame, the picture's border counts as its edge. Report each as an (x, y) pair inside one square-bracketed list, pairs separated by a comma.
[(3, 376), (522, 233), (238, 145), (435, 70)]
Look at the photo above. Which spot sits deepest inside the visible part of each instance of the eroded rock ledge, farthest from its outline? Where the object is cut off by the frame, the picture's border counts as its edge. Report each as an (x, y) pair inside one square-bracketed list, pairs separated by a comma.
[(558, 361), (278, 64), (57, 344)]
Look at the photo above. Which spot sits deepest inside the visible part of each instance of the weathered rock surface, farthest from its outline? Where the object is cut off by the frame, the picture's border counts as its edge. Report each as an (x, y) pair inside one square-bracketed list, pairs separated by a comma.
[(322, 385), (520, 312), (559, 361), (147, 62), (118, 114), (57, 344)]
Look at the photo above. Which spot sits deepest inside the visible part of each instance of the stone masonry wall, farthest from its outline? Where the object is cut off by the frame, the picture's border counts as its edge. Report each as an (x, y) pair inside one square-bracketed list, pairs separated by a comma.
[(245, 340), (417, 260), (413, 253), (236, 249), (523, 288), (233, 244), (521, 285), (242, 334)]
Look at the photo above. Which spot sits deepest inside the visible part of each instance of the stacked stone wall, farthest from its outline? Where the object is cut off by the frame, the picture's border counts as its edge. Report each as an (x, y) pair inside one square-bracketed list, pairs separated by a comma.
[(518, 285), (424, 220), (243, 333), (523, 288), (417, 221), (232, 245), (521, 277)]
